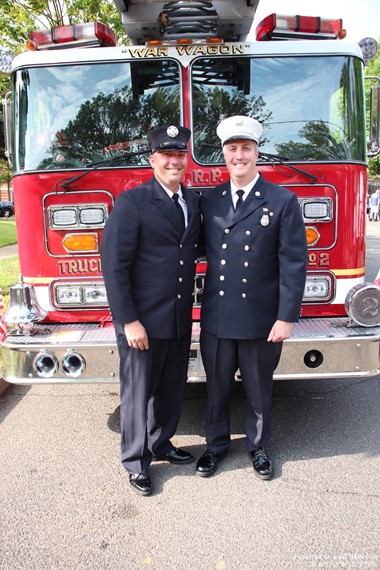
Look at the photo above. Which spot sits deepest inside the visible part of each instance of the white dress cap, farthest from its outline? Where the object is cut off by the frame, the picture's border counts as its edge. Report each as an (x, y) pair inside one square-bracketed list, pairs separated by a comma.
[(239, 127)]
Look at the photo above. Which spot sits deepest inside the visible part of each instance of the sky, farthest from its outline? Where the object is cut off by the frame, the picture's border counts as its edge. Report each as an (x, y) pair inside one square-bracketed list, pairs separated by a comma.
[(361, 18)]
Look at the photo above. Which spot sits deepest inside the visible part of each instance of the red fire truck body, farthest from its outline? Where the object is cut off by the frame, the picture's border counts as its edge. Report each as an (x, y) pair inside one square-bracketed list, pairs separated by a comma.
[(78, 139)]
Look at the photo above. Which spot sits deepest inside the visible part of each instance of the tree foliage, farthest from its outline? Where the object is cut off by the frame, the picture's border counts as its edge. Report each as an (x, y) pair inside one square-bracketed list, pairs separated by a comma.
[(213, 105), (374, 167), (320, 145), (112, 120), (19, 17), (372, 69)]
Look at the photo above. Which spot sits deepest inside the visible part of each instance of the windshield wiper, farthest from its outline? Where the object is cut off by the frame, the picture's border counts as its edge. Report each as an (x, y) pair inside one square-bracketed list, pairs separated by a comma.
[(95, 165), (284, 161), (271, 158)]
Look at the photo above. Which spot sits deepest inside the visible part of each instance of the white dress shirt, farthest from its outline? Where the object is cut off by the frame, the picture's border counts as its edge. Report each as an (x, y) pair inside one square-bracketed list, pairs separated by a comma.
[(246, 189), (181, 200)]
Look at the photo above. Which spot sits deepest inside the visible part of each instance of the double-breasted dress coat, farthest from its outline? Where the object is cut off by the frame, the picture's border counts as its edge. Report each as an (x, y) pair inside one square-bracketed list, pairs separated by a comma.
[(148, 264), (257, 259)]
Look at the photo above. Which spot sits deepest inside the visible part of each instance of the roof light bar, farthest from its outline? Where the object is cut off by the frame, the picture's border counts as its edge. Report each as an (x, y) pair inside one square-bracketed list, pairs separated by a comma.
[(285, 27), (81, 35)]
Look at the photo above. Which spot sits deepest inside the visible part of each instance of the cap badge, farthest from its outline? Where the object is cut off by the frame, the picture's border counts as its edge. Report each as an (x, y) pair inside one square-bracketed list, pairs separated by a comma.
[(172, 132)]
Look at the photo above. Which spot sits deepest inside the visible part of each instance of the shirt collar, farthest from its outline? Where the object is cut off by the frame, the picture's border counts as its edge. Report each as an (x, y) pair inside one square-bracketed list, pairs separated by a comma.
[(246, 188), (170, 193)]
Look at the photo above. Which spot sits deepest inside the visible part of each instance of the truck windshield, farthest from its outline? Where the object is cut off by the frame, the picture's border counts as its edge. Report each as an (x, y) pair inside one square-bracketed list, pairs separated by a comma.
[(72, 115), (312, 108)]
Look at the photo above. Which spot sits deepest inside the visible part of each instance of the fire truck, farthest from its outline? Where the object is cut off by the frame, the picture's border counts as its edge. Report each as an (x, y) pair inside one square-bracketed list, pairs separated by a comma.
[(76, 125)]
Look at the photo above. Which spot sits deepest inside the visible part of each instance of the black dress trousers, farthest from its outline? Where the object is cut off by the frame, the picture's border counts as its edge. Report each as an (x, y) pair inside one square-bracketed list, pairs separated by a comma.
[(256, 360), (151, 397)]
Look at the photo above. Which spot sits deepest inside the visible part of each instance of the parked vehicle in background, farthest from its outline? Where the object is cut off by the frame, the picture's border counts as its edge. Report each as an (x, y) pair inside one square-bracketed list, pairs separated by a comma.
[(7, 209)]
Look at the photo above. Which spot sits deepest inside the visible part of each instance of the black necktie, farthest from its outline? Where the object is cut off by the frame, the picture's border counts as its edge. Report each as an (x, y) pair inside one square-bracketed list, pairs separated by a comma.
[(179, 209), (239, 202)]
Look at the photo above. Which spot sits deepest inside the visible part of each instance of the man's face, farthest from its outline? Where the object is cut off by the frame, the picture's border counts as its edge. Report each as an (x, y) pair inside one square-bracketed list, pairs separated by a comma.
[(241, 156), (169, 167)]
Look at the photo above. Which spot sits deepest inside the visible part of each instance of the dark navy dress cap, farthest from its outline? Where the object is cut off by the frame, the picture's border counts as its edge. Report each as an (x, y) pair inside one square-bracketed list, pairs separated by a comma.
[(169, 137)]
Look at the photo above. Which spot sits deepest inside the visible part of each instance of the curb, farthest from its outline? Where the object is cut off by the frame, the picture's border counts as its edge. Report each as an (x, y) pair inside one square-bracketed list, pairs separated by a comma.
[(3, 386), (9, 251)]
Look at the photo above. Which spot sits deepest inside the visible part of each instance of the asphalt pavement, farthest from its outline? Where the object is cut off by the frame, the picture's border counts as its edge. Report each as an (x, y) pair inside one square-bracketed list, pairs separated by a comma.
[(65, 502), (373, 229)]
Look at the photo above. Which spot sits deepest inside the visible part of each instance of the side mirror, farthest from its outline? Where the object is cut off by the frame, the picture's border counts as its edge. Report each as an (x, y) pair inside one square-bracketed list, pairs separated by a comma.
[(8, 126), (374, 126)]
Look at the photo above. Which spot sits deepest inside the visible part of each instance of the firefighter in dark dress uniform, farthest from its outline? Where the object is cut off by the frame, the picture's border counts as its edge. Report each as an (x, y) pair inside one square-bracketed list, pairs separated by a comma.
[(257, 256), (148, 257)]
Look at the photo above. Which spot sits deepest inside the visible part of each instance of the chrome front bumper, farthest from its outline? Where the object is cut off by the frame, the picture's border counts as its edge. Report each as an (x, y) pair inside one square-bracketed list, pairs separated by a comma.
[(319, 348)]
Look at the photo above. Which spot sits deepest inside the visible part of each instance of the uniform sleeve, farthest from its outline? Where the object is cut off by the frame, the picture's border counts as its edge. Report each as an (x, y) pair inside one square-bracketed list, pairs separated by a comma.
[(118, 251), (292, 255)]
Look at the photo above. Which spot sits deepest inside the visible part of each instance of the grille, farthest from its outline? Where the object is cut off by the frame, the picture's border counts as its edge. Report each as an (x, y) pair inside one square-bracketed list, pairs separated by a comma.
[(199, 282)]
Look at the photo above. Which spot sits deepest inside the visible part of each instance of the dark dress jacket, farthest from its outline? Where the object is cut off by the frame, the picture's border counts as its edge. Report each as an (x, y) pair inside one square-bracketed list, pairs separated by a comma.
[(257, 259), (148, 262)]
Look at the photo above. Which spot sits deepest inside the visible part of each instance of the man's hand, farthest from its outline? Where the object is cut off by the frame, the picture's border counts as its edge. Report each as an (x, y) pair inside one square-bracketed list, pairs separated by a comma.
[(136, 335), (281, 330)]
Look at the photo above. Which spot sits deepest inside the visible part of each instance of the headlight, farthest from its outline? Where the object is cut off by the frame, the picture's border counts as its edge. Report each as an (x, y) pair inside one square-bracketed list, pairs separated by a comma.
[(80, 295), (63, 218), (77, 216), (94, 295), (68, 295), (92, 216), (316, 209), (318, 288)]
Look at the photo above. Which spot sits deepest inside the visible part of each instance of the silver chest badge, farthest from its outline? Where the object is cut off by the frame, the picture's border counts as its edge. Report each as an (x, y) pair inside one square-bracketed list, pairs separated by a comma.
[(265, 219)]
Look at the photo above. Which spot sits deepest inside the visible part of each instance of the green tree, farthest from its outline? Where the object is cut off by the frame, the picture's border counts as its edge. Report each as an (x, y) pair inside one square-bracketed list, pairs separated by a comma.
[(213, 105), (19, 17), (372, 69), (320, 145), (374, 167)]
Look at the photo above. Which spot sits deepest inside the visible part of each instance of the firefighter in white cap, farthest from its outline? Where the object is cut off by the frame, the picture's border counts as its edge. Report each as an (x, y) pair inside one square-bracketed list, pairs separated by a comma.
[(257, 257)]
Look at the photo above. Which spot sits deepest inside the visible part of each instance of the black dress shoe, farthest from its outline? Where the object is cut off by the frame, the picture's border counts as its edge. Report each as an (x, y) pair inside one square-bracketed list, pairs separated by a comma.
[(176, 455), (262, 465), (208, 463), (141, 483)]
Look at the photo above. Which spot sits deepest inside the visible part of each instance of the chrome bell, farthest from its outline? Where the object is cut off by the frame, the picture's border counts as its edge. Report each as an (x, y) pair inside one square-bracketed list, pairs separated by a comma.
[(23, 310)]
